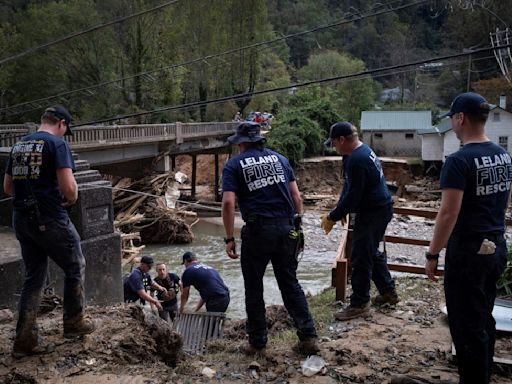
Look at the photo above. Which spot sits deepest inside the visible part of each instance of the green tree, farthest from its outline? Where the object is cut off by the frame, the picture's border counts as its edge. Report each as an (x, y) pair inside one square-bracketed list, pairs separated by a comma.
[(350, 97)]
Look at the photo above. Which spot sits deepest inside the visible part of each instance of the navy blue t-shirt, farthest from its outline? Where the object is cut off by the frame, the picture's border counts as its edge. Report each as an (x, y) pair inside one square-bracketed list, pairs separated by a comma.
[(260, 178), (484, 172), (34, 160), (205, 279), (364, 186), (136, 281)]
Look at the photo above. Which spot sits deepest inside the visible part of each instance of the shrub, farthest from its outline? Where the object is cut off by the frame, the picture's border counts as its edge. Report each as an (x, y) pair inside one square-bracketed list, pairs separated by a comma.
[(505, 281)]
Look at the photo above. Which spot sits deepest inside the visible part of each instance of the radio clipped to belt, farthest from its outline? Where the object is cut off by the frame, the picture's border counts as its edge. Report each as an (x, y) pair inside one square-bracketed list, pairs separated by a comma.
[(297, 234), (32, 207)]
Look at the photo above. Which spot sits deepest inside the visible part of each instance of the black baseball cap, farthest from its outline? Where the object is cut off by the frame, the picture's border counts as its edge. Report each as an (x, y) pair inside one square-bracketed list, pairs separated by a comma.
[(469, 102), (341, 128), (61, 113), (188, 256), (147, 260)]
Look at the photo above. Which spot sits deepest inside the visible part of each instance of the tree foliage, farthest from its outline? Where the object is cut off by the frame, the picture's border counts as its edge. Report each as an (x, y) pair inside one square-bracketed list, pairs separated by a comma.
[(137, 65)]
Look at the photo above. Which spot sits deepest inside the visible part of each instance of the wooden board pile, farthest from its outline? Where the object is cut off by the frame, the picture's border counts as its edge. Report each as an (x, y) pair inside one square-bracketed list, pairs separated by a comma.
[(142, 213)]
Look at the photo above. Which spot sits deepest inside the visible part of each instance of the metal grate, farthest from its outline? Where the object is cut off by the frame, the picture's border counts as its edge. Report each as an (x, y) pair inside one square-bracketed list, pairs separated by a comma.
[(197, 328)]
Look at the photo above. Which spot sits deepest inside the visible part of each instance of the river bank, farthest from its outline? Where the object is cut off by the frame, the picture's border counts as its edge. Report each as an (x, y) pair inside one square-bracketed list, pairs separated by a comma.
[(411, 338)]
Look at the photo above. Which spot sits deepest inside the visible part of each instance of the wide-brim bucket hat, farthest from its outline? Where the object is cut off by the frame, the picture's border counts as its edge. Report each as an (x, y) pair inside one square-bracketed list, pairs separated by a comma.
[(247, 132)]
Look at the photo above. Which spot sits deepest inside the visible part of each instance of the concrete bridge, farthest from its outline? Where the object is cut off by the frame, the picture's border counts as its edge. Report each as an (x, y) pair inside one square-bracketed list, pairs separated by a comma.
[(113, 144)]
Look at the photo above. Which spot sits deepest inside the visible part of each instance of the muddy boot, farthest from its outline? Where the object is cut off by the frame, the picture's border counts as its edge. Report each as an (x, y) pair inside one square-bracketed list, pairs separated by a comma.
[(353, 312), (19, 350), (79, 326), (389, 298), (307, 347), (251, 350)]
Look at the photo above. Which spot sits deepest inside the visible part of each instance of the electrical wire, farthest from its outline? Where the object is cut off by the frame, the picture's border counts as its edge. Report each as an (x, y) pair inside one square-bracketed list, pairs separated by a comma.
[(292, 87), (81, 33), (352, 77), (227, 52)]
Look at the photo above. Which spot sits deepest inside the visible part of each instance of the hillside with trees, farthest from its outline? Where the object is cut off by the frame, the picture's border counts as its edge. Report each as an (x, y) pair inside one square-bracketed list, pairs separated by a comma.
[(199, 51)]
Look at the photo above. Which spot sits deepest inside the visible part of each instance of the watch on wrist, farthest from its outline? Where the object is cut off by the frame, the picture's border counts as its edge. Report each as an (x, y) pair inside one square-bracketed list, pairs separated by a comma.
[(229, 239), (431, 256)]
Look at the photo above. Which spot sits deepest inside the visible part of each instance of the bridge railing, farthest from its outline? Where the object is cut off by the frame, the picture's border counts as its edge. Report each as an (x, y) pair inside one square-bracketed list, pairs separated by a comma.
[(9, 137), (121, 133), (206, 129), (85, 135)]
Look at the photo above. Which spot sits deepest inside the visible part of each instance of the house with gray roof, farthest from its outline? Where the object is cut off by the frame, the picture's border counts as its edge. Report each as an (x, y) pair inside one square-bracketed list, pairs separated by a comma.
[(395, 133)]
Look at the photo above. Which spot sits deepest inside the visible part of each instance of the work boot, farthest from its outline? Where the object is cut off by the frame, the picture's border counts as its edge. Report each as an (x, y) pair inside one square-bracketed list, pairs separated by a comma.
[(307, 347), (79, 326), (251, 350), (18, 351), (353, 312), (387, 298)]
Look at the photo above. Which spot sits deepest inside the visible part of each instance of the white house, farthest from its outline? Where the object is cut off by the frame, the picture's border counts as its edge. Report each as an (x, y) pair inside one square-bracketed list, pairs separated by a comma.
[(395, 133), (439, 142)]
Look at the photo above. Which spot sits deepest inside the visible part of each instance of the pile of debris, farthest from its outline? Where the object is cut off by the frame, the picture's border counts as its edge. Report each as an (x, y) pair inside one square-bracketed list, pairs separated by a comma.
[(145, 212)]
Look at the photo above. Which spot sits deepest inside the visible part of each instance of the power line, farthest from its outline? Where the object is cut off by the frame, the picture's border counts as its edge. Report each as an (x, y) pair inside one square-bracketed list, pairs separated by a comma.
[(77, 34), (295, 86), (211, 56)]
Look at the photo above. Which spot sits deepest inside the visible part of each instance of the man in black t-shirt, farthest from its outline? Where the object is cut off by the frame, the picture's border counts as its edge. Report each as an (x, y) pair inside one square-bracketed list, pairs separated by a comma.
[(39, 176), (471, 222), (169, 299)]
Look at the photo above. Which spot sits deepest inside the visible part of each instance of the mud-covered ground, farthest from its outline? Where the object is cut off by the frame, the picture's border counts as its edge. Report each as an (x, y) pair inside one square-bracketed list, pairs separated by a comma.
[(411, 338), (134, 347)]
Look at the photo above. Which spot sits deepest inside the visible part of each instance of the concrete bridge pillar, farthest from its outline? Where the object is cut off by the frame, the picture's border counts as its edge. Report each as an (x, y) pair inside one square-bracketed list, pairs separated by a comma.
[(163, 165)]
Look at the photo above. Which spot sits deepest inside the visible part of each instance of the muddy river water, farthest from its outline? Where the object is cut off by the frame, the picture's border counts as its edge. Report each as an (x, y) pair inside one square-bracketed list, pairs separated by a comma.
[(314, 271)]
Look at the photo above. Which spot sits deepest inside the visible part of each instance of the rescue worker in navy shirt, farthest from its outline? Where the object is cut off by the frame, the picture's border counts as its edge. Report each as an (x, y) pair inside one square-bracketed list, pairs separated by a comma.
[(39, 177), (365, 193), (207, 281), (268, 196), (138, 283), (475, 183)]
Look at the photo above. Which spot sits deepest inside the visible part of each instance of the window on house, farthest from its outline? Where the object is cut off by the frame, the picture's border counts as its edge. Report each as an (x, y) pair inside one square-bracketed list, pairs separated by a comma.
[(409, 136), (378, 135), (503, 142), (496, 116)]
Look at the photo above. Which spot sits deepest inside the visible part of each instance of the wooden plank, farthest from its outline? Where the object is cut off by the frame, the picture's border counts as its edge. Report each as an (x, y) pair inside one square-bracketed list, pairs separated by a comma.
[(411, 268), (406, 240), (341, 279), (430, 214), (341, 265)]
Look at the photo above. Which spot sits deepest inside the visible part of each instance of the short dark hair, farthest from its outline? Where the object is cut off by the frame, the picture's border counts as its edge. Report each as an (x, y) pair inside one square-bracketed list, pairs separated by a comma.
[(477, 118), (49, 118)]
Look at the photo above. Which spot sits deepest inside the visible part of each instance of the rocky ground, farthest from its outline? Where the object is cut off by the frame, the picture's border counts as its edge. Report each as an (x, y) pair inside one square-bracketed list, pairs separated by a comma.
[(410, 338)]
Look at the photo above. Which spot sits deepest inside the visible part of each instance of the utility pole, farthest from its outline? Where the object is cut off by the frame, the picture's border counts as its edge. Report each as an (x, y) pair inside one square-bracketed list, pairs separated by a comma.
[(468, 81)]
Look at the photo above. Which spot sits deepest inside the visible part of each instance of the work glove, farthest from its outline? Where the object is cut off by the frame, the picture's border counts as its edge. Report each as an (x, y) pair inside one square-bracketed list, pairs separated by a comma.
[(326, 223)]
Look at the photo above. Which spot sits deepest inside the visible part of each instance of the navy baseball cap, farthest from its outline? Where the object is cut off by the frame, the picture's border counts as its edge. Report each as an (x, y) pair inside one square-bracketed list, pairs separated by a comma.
[(188, 256), (469, 102), (247, 132), (61, 113), (147, 260), (341, 128)]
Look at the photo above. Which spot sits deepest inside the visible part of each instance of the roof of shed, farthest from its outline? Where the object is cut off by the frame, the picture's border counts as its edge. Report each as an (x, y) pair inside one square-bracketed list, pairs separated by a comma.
[(396, 120)]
